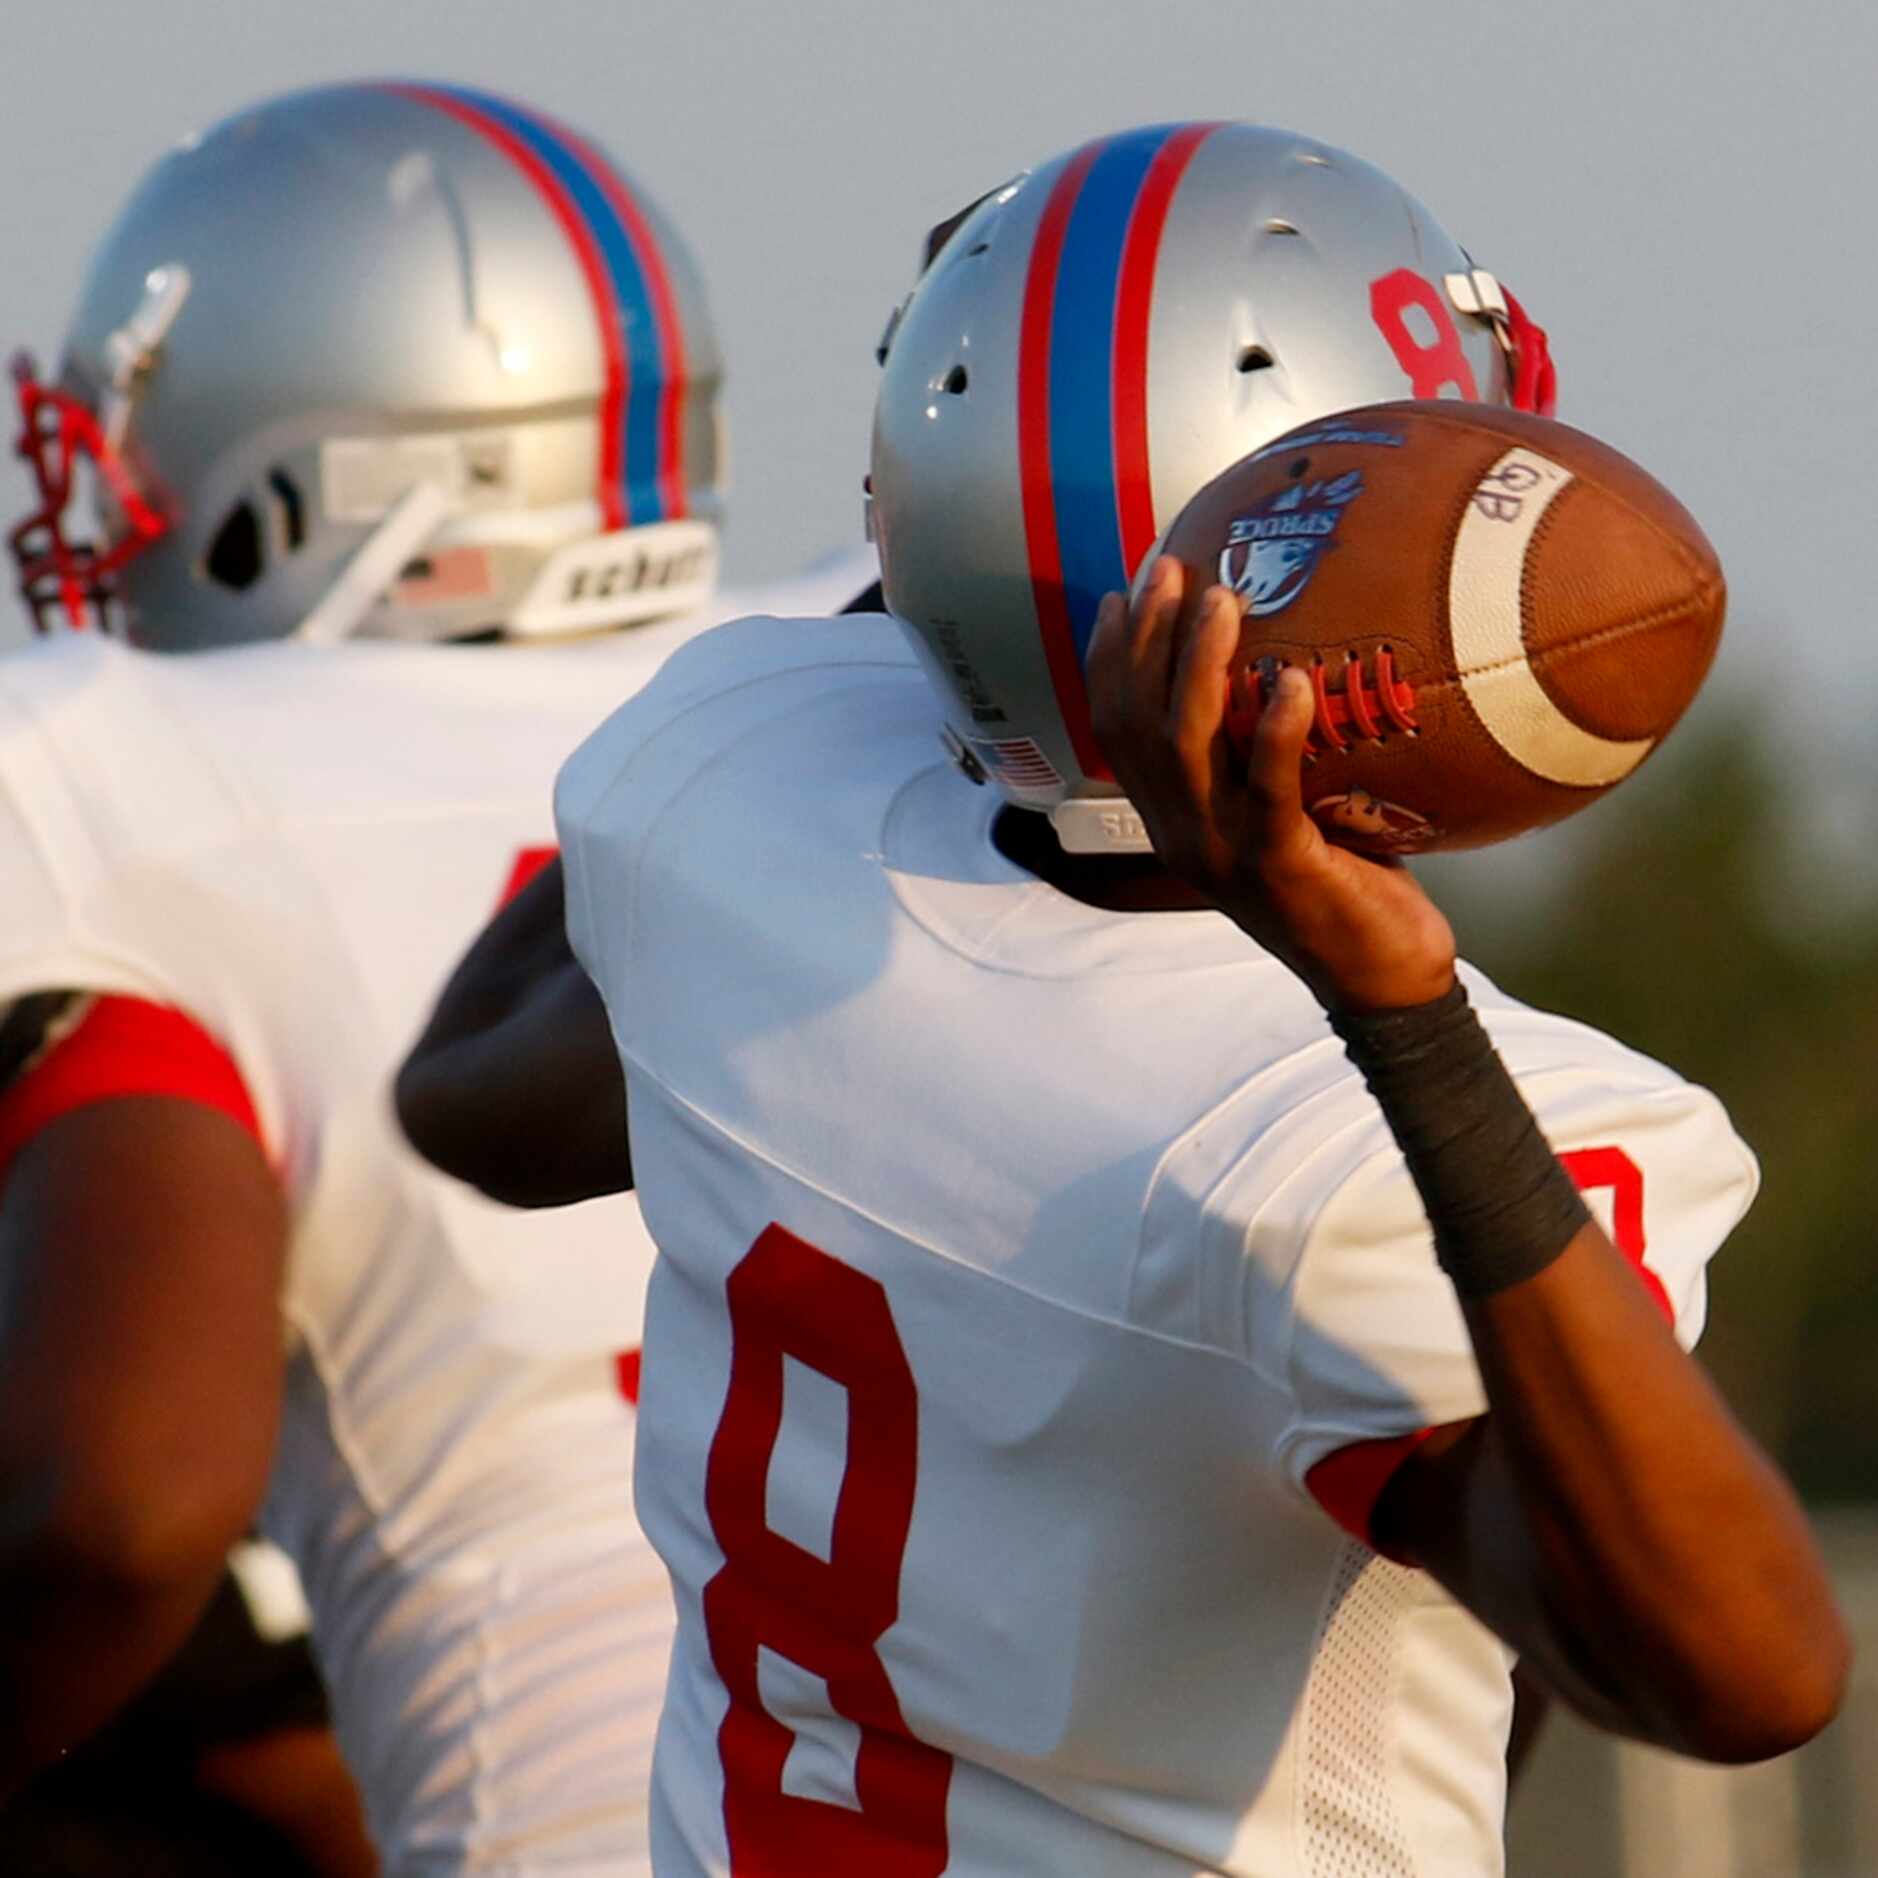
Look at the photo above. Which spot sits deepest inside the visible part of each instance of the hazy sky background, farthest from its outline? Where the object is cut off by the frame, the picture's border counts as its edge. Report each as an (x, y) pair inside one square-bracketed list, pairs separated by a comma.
[(1679, 189)]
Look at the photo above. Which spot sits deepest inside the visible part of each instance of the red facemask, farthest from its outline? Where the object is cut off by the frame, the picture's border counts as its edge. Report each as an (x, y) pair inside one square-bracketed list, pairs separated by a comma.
[(1535, 379), (77, 578)]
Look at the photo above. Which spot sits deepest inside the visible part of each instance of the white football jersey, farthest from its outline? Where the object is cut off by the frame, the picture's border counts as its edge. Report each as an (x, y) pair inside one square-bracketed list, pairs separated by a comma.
[(295, 845), (1018, 1262)]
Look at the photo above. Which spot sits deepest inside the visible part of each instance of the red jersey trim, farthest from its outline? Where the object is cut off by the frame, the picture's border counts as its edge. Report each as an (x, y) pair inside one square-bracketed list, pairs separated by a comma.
[(528, 863), (1348, 1484), (123, 1047), (626, 1368)]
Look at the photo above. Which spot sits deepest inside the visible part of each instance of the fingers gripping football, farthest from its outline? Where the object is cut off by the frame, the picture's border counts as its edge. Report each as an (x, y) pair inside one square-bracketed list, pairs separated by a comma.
[(1158, 676), (1149, 704), (1361, 933)]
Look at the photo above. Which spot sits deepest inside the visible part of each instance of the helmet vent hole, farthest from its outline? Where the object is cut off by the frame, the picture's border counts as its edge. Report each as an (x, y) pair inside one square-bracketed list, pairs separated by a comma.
[(1302, 467), (1279, 226), (978, 247), (1255, 359), (234, 557), (292, 509), (956, 381)]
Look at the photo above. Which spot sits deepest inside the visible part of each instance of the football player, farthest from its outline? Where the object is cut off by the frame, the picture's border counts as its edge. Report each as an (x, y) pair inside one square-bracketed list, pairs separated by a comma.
[(363, 376), (1072, 1449)]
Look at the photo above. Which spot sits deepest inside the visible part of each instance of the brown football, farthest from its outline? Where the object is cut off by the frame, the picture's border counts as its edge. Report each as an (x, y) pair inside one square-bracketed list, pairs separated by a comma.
[(1502, 617)]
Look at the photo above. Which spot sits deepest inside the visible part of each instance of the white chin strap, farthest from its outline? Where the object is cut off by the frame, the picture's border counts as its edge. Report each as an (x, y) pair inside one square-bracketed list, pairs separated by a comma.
[(391, 546), (1100, 825)]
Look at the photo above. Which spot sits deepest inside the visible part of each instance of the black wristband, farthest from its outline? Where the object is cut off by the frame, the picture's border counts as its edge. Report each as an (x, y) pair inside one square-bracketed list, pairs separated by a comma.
[(1501, 1206)]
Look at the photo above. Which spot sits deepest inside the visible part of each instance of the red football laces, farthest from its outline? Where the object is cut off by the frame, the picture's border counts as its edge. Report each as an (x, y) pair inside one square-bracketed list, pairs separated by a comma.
[(1354, 707)]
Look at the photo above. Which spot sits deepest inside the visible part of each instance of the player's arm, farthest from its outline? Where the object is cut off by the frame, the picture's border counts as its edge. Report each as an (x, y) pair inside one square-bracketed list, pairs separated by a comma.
[(141, 1245), (515, 1085), (1607, 1517)]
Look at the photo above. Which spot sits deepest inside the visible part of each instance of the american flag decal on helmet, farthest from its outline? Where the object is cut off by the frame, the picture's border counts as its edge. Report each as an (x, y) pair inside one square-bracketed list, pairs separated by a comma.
[(1017, 763)]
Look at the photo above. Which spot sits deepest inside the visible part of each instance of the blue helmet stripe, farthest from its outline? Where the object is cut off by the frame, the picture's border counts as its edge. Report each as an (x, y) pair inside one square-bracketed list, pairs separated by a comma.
[(1082, 363)]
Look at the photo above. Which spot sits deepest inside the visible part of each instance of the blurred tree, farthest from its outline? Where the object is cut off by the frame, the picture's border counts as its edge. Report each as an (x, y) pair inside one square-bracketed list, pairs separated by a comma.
[(1693, 916)]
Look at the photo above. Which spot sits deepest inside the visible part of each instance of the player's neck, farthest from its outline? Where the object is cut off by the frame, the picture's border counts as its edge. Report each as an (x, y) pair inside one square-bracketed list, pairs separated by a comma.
[(1118, 883)]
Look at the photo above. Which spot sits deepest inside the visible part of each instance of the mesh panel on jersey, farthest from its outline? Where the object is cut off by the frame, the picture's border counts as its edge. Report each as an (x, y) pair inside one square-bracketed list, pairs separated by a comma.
[(1351, 1829)]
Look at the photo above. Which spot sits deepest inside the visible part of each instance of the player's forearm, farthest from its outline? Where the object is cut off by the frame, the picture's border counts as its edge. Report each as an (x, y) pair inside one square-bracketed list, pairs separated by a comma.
[(1669, 1559), (77, 1644), (532, 1110), (110, 1548), (1642, 1547), (1624, 1464), (514, 1085)]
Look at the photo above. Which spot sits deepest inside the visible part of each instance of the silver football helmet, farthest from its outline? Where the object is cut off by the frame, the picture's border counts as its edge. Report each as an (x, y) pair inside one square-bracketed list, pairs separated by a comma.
[(1092, 344), (400, 360)]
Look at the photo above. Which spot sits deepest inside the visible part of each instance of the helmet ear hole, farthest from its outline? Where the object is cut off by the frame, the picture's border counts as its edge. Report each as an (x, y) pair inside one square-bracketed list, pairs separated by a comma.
[(956, 380), (234, 557)]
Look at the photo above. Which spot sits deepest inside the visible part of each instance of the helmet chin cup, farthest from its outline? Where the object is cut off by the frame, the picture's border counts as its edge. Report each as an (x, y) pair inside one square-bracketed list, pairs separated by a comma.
[(58, 575), (632, 575)]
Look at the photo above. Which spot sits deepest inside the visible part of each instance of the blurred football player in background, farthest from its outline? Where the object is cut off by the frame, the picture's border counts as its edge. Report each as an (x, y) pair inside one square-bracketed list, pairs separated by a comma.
[(1051, 1395), (366, 374)]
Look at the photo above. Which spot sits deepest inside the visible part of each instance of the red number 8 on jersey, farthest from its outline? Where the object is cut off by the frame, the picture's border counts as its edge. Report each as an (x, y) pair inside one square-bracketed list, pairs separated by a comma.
[(786, 1297)]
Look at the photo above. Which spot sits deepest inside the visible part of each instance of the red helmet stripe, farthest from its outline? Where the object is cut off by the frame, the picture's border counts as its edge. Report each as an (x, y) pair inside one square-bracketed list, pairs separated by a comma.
[(673, 482), (1033, 450)]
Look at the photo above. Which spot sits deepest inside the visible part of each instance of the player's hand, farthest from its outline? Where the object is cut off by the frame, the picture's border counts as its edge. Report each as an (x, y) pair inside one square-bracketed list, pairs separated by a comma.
[(1361, 933)]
